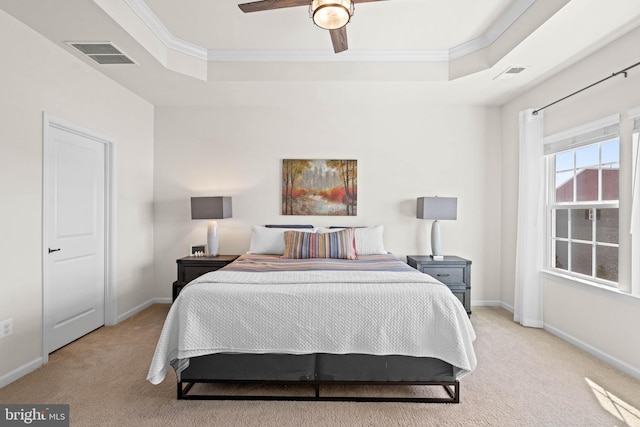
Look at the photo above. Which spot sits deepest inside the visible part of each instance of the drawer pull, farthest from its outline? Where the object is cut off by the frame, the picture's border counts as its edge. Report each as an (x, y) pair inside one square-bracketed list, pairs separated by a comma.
[(443, 275)]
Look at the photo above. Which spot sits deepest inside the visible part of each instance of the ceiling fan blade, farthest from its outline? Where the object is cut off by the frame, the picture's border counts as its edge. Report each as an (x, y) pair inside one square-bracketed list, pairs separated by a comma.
[(258, 6), (339, 39)]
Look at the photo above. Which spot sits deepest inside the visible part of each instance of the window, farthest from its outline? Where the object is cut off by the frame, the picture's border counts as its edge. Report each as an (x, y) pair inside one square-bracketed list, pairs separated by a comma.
[(582, 201)]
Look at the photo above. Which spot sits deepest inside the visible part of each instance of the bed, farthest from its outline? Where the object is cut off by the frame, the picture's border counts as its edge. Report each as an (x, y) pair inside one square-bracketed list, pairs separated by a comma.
[(267, 318)]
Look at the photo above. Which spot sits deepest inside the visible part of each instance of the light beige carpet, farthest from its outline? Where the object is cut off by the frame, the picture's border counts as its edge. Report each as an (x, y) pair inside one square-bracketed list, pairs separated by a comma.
[(525, 377)]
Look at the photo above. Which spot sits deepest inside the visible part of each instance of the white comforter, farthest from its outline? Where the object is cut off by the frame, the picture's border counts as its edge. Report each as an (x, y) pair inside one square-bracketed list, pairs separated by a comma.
[(380, 313)]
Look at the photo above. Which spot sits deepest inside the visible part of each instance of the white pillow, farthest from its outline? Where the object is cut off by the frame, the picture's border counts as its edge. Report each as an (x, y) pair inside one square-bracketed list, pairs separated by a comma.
[(369, 240), (266, 240)]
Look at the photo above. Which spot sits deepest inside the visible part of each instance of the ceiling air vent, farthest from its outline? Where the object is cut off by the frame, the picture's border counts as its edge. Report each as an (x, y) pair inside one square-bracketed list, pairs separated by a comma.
[(509, 73), (102, 52)]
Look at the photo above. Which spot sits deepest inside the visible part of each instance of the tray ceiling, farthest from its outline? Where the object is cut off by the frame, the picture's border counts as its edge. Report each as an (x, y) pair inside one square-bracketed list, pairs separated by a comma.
[(198, 52)]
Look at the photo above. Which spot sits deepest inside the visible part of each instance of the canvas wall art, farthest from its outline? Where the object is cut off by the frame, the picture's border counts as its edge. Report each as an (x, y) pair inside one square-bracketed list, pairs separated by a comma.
[(319, 187)]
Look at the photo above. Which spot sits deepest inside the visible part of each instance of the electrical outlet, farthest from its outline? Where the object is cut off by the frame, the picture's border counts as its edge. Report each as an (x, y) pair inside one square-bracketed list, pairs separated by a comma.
[(6, 328)]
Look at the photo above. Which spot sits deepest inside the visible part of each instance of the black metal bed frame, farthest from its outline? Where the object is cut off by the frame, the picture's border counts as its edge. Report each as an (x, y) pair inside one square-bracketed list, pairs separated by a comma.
[(451, 387)]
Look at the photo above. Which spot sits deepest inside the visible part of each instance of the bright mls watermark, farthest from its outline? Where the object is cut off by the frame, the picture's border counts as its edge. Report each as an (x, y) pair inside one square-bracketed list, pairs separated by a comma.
[(34, 415)]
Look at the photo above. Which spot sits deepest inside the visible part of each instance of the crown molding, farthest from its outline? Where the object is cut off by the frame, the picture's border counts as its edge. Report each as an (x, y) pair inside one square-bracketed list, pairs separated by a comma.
[(150, 19), (351, 55), (142, 10), (494, 32)]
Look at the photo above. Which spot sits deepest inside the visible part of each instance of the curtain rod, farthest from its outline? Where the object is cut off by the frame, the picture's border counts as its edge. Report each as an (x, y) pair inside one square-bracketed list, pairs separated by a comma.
[(624, 72)]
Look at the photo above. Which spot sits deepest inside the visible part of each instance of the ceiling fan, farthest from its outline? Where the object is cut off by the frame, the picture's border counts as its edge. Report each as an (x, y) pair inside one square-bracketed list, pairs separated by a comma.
[(332, 15)]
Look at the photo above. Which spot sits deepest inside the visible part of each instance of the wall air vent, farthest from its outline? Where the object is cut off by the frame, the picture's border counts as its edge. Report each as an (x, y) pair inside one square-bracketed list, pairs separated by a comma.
[(509, 73), (103, 53)]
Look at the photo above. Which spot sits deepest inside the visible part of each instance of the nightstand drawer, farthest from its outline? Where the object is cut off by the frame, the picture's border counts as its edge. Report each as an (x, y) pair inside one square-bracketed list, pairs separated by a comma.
[(193, 272), (448, 275), (191, 267), (453, 271)]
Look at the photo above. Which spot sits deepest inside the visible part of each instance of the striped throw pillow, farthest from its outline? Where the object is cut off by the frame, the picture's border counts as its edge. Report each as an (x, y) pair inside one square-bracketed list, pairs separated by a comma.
[(300, 245)]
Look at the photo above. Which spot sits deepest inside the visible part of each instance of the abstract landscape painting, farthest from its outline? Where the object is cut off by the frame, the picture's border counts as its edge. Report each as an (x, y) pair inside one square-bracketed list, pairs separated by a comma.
[(320, 187)]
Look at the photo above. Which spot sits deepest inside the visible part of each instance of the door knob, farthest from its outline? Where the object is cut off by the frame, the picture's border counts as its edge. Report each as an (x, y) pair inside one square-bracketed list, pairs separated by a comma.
[(53, 250)]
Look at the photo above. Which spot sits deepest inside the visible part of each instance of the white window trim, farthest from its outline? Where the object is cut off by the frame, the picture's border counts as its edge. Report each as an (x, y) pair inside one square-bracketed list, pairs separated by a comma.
[(569, 279), (570, 138)]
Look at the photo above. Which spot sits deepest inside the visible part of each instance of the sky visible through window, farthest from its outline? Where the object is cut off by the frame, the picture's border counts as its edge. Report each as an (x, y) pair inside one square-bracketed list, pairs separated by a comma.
[(569, 162)]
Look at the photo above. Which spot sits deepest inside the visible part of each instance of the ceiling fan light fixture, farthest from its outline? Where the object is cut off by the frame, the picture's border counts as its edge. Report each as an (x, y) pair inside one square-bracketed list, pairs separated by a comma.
[(331, 14)]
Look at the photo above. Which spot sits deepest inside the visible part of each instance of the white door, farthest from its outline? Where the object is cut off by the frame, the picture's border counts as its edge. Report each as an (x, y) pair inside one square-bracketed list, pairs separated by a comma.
[(74, 227)]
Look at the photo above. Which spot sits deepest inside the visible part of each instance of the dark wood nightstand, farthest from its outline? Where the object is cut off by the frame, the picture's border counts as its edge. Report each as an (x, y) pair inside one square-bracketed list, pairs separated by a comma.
[(191, 267), (453, 271)]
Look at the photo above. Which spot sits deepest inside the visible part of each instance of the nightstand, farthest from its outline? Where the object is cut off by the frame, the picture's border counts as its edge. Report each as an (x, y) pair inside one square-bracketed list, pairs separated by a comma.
[(453, 271), (191, 267)]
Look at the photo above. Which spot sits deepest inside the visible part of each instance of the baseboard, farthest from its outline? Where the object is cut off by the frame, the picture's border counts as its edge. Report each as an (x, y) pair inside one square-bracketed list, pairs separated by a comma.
[(20, 372), (507, 307), (616, 363), (491, 303), (485, 303), (35, 364), (141, 307)]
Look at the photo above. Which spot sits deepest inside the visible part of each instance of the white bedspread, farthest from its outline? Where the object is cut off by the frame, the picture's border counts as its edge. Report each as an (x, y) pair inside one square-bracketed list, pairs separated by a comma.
[(298, 312)]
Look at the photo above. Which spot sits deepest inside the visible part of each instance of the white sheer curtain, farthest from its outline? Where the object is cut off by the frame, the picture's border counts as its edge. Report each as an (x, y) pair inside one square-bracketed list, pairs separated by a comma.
[(635, 202), (531, 225)]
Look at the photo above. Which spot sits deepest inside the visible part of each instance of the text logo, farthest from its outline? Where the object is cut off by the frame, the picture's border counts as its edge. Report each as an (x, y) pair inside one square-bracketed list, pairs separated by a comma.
[(34, 415)]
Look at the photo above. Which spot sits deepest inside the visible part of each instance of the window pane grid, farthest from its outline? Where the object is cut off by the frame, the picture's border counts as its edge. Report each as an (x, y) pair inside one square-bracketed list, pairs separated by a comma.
[(609, 245), (581, 169), (583, 210), (569, 261)]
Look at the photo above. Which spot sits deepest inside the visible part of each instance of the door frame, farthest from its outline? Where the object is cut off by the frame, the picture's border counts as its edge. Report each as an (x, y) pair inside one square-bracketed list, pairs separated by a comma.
[(50, 121)]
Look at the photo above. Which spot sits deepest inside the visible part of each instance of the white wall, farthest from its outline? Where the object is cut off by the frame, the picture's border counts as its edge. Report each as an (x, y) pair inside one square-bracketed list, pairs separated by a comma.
[(404, 150), (599, 320), (38, 76)]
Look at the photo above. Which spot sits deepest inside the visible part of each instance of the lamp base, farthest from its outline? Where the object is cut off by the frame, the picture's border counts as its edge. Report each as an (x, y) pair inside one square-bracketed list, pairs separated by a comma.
[(212, 238), (437, 257), (436, 245)]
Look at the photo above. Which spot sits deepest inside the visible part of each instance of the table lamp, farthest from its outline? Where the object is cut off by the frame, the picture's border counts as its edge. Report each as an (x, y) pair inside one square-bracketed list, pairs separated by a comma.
[(211, 208), (437, 208)]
